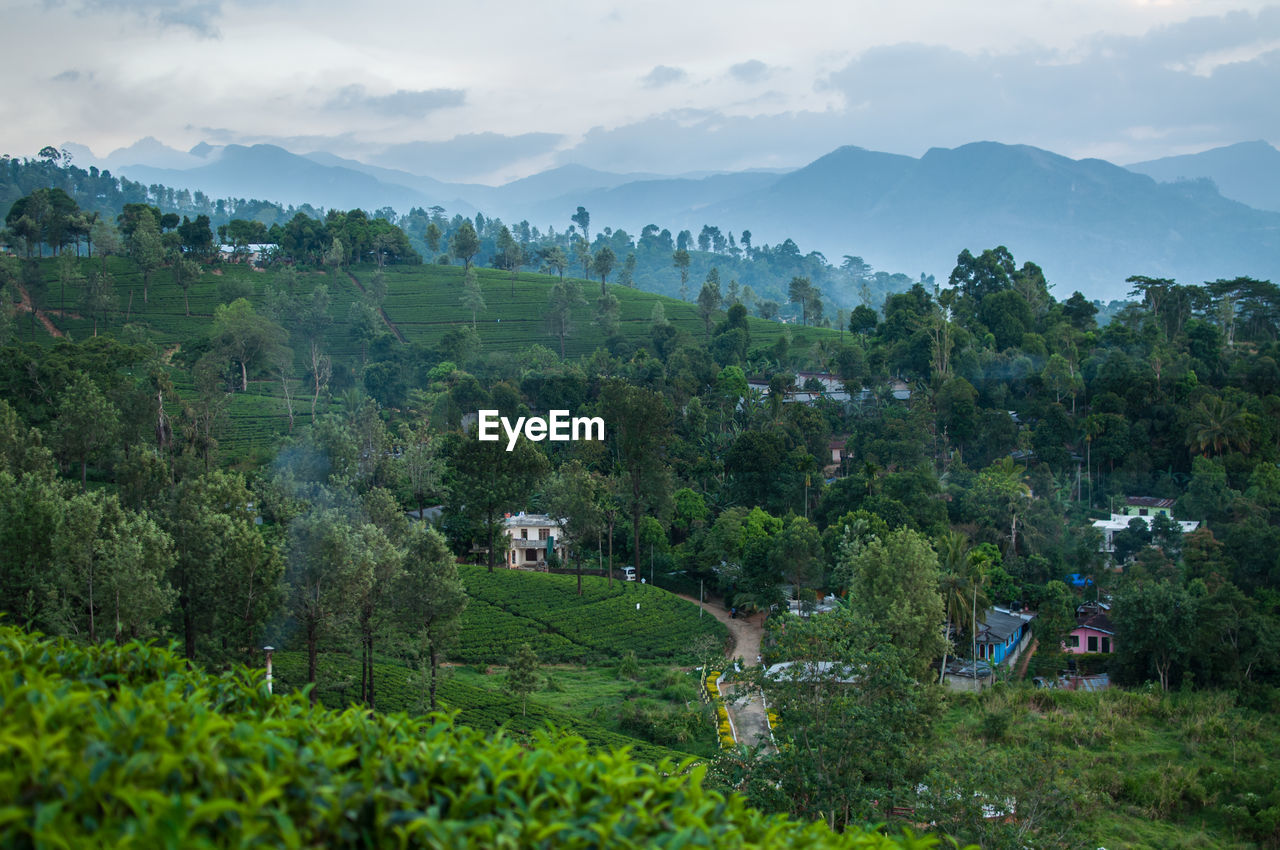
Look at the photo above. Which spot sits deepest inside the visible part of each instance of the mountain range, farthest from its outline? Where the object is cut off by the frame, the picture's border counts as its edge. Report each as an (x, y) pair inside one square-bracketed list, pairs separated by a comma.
[(1088, 223)]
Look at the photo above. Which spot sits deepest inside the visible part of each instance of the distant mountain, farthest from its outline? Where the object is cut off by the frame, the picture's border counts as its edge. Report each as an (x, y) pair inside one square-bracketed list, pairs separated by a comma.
[(273, 173), (1088, 223), (1248, 172)]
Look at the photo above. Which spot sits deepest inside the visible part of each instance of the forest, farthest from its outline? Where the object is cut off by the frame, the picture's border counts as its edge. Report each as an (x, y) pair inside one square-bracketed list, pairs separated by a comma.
[(222, 451)]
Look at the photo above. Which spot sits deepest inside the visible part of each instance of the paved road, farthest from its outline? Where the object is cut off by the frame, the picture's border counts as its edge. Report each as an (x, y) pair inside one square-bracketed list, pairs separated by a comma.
[(746, 707)]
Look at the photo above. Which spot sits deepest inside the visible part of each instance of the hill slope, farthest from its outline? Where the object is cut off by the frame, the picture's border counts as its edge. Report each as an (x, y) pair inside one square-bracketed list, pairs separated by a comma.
[(1248, 172)]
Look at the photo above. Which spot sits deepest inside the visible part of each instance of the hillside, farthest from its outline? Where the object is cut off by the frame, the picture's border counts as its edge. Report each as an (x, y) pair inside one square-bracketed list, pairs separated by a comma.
[(422, 305), (1248, 172)]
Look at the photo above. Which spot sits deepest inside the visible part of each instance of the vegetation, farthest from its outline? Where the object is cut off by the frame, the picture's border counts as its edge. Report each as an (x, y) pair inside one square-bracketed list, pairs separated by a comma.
[(249, 767), (163, 478)]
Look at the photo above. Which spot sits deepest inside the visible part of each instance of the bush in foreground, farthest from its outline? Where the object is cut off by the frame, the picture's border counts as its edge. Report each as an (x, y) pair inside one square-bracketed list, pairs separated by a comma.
[(122, 746)]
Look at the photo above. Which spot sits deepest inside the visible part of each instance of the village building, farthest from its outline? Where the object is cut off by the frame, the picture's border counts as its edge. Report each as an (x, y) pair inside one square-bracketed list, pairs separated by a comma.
[(1094, 633), (530, 537)]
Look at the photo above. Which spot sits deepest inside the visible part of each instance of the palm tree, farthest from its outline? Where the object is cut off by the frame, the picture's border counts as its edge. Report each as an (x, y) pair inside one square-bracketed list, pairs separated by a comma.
[(1217, 424), (953, 584)]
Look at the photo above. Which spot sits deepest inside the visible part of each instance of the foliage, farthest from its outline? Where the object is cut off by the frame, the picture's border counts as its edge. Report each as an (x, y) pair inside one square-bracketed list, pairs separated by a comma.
[(251, 768)]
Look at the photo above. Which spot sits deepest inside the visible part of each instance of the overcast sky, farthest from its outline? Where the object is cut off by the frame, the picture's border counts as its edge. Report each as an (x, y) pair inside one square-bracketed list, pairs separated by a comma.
[(490, 91)]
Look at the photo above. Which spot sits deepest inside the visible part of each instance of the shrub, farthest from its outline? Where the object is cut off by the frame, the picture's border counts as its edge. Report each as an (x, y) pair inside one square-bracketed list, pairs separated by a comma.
[(116, 746)]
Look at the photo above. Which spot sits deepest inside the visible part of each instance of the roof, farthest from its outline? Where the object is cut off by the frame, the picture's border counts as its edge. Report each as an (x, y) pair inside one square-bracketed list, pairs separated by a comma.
[(525, 520), (1000, 625), (1120, 522), (1148, 502), (1098, 623), (810, 671)]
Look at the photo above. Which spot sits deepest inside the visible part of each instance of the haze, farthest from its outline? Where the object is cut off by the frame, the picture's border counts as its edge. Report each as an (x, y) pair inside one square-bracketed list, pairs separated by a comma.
[(489, 92)]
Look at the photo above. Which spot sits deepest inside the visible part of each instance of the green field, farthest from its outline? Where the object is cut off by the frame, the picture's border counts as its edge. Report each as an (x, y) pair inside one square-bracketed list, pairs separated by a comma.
[(510, 607), (422, 304)]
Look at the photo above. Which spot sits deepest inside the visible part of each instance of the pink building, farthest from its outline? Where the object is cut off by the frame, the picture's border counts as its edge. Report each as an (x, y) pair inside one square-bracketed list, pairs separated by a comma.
[(1094, 634)]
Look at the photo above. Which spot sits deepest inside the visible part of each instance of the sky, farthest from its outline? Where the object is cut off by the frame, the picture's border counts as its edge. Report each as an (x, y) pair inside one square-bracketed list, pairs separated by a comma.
[(488, 91)]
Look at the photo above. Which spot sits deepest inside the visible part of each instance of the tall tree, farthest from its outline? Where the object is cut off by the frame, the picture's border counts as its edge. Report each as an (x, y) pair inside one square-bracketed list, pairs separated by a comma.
[(565, 296), (464, 243), (641, 422), (487, 480), (245, 337), (582, 218), (472, 295), (602, 264), (430, 599), (87, 424), (895, 586), (573, 498)]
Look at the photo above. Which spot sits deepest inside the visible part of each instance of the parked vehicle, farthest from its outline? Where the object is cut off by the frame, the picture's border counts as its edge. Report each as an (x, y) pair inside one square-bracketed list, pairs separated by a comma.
[(629, 573)]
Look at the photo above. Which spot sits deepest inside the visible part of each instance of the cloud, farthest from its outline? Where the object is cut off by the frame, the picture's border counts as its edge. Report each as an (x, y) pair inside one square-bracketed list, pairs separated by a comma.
[(751, 71), (199, 16), (663, 75), (469, 156), (401, 103), (71, 75), (705, 140), (1099, 98)]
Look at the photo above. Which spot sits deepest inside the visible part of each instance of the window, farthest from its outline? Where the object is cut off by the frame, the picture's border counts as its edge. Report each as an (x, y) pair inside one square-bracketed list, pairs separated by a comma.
[(1093, 643), (1073, 641), (531, 554), (544, 533), (524, 534), (1106, 644)]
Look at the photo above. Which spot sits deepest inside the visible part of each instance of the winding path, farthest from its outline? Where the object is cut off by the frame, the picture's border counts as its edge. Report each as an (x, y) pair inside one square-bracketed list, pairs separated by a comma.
[(746, 706)]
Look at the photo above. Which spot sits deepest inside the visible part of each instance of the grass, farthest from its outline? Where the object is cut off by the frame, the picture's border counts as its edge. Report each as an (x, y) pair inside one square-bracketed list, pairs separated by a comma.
[(1120, 768)]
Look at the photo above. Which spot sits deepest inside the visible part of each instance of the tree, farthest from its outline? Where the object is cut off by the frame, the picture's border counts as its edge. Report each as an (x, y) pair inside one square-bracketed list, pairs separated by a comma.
[(430, 599), (376, 571), (226, 575), (708, 303), (420, 461), (565, 296), (607, 308), (110, 562), (556, 260), (322, 577), (895, 586), (522, 673), (68, 272), (582, 218), (147, 250), (572, 497), (641, 422), (464, 244), (680, 259), (472, 295), (185, 273), (853, 720), (602, 264), (98, 296), (800, 291), (432, 237), (245, 337), (487, 480), (87, 424), (1154, 621)]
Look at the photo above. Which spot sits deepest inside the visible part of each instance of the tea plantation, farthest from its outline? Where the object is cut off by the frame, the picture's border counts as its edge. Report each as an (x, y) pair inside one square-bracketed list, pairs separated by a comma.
[(112, 746)]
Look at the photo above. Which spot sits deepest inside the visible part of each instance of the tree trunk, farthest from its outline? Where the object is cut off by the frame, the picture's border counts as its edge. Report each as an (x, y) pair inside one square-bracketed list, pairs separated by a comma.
[(313, 640), (244, 377), (490, 524), (435, 668), (942, 674), (611, 552)]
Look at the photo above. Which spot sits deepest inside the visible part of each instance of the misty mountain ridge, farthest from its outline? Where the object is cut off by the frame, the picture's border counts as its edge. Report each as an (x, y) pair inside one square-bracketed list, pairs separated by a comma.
[(1248, 172), (1089, 223)]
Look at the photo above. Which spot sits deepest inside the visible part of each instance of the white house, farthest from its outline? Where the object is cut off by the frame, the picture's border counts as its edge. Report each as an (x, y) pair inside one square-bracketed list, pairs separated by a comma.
[(1120, 522), (530, 535)]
